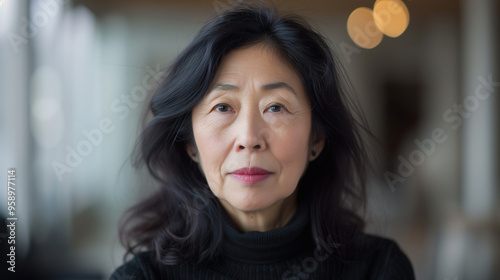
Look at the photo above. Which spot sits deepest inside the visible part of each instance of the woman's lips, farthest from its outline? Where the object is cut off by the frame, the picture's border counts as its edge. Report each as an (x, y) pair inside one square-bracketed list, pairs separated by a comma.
[(250, 175)]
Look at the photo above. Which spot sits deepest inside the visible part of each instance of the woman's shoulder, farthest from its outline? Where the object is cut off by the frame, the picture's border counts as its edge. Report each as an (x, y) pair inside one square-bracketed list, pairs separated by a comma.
[(382, 258), (140, 267)]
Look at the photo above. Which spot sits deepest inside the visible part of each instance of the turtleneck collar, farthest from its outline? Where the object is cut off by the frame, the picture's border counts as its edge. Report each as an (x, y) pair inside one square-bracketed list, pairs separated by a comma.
[(270, 246)]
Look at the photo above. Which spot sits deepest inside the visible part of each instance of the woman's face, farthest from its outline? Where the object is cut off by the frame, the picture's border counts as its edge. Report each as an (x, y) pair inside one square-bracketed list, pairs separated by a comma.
[(255, 115)]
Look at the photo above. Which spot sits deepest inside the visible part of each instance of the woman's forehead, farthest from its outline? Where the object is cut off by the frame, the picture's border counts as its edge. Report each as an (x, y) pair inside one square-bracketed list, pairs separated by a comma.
[(259, 63)]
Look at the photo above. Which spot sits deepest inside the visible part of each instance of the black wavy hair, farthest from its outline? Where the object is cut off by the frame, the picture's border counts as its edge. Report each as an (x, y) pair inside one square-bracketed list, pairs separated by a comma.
[(181, 221)]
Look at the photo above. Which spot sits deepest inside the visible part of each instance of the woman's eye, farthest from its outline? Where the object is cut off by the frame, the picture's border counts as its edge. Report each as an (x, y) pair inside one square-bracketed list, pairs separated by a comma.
[(222, 108), (276, 108)]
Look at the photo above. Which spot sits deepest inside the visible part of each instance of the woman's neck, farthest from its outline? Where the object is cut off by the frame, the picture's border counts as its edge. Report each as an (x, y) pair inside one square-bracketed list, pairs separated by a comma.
[(273, 217)]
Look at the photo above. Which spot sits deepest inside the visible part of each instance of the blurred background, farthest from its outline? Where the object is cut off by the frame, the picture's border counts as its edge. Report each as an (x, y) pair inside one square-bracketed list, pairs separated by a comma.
[(74, 76)]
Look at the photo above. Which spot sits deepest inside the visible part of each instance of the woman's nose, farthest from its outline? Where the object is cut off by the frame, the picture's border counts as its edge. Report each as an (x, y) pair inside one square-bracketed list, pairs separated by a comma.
[(256, 147), (251, 132)]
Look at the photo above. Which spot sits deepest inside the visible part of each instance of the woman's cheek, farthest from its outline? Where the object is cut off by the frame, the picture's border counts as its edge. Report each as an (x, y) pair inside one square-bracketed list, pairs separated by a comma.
[(210, 128), (214, 148), (291, 139)]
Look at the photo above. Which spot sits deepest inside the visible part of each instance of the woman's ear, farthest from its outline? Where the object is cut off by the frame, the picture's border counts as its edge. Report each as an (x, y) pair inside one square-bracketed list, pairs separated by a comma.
[(192, 152), (317, 145)]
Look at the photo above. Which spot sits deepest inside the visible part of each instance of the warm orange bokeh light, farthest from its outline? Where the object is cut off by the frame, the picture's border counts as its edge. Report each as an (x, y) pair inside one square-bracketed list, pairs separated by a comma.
[(362, 28), (391, 17)]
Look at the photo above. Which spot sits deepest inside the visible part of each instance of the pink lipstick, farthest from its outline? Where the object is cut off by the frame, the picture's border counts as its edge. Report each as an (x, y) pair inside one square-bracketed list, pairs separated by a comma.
[(250, 175)]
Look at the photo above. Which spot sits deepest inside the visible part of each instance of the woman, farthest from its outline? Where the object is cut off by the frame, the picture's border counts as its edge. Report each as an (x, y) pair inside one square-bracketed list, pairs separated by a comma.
[(260, 161)]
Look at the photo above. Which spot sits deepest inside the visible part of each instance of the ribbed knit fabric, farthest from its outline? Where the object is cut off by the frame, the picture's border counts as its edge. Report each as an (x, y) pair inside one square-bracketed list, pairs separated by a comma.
[(284, 253)]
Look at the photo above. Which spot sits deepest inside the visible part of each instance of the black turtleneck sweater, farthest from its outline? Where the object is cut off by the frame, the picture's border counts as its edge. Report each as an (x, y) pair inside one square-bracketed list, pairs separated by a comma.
[(283, 253)]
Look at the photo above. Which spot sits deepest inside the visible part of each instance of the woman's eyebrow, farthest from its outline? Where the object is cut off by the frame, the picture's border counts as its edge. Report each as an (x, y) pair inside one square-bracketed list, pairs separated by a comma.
[(278, 85), (266, 87), (228, 87)]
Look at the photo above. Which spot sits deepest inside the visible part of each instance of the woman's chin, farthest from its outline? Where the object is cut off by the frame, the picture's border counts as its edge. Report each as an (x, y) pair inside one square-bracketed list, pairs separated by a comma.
[(250, 204)]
